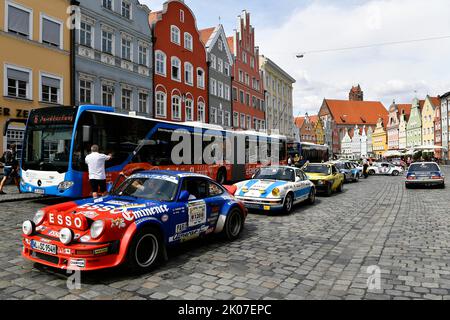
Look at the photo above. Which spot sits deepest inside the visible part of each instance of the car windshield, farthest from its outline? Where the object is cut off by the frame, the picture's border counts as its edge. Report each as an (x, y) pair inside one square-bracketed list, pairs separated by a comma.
[(424, 167), (285, 174), (150, 188), (323, 169)]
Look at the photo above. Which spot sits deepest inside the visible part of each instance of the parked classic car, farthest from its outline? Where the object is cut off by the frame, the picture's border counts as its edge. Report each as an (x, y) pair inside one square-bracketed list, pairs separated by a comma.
[(349, 170), (385, 168), (276, 189), (326, 177), (425, 174), (144, 215)]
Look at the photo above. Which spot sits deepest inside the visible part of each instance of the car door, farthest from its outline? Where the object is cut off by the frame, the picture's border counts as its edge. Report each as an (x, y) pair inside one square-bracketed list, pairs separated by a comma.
[(336, 177), (302, 186)]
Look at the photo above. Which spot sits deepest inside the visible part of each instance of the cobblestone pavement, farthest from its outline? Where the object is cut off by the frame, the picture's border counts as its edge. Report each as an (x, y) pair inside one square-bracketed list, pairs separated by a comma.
[(318, 252), (12, 194)]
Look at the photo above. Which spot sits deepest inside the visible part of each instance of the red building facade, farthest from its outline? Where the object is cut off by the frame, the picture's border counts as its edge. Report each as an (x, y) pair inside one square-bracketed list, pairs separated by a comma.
[(180, 65), (248, 91)]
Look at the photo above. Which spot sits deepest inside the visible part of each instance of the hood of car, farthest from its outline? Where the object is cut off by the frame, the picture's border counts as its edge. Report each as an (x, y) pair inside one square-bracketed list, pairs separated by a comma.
[(318, 176), (258, 187)]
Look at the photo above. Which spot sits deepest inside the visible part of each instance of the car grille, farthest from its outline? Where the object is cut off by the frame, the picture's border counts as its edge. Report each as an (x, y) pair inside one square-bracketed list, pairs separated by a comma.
[(45, 257)]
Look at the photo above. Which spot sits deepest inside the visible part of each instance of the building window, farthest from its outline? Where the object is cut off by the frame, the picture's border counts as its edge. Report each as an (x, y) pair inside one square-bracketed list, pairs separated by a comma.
[(188, 43), (201, 112), (188, 73), (227, 69), (108, 95), (241, 96), (242, 121), (85, 91), (50, 89), (126, 99), (227, 92), (220, 65), (19, 20), (126, 48), (181, 16), (220, 44), (51, 32), (107, 4), (161, 104), (176, 108), (176, 69), (252, 62), (143, 102), (227, 119), (213, 87), (18, 83), (86, 34), (126, 9), (107, 42), (220, 89), (214, 115), (220, 117), (235, 94), (200, 78), (241, 76), (244, 56), (189, 110), (160, 61), (175, 35), (249, 122), (236, 119), (143, 55), (247, 99), (213, 61)]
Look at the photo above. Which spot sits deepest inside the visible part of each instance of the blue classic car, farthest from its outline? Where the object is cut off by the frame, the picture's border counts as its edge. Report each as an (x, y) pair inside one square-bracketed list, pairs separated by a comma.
[(349, 170), (425, 174)]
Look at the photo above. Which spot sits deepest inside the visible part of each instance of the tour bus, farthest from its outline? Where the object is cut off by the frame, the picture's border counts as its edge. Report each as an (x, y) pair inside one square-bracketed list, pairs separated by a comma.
[(57, 140), (314, 153)]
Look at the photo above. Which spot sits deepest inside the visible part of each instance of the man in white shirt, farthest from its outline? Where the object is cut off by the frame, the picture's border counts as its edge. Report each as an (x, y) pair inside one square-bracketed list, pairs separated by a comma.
[(97, 174)]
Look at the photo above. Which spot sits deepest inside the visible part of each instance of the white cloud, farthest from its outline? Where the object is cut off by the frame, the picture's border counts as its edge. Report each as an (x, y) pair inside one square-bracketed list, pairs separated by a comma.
[(385, 73)]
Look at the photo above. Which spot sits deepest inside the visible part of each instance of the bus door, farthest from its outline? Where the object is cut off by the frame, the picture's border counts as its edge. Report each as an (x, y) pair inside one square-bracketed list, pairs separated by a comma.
[(238, 169)]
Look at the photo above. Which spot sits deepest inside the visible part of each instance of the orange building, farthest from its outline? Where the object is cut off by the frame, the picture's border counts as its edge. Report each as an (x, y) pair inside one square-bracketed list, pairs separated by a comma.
[(180, 66), (248, 89)]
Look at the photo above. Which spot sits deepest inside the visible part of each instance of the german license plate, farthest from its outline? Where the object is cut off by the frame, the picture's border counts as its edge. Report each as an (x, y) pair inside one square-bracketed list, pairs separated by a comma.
[(39, 191), (43, 247)]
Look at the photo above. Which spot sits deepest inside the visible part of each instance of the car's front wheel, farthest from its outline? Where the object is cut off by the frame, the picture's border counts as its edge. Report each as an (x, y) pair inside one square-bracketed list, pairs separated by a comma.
[(288, 203), (341, 187), (371, 172), (145, 251), (233, 225)]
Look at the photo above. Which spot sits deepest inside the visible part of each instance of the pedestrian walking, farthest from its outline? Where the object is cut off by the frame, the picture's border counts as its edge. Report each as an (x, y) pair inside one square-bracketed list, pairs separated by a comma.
[(96, 167), (10, 168), (365, 168)]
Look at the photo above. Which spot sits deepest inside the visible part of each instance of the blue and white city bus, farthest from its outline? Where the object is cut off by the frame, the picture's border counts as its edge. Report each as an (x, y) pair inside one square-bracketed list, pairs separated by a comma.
[(57, 141)]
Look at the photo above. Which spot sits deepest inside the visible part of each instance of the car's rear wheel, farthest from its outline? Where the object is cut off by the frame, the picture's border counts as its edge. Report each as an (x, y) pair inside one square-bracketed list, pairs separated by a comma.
[(395, 173), (372, 172), (288, 203), (145, 251), (233, 225), (312, 196)]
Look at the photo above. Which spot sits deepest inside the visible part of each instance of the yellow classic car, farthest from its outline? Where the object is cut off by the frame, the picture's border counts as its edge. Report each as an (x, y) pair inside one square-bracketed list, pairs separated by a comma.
[(326, 177)]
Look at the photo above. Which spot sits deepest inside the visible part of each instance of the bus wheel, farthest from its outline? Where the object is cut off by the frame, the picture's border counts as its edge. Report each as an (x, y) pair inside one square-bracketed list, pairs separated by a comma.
[(222, 176)]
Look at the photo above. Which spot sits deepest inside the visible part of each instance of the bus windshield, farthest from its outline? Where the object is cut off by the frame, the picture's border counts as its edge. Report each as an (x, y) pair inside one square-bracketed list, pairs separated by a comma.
[(47, 141)]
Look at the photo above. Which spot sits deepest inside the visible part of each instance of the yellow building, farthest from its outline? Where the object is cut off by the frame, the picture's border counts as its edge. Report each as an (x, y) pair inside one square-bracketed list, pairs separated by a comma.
[(319, 131), (35, 59), (379, 138), (428, 117)]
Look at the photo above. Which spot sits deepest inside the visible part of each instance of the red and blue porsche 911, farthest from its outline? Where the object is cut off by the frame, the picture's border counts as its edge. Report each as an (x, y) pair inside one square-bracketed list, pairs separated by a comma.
[(135, 224)]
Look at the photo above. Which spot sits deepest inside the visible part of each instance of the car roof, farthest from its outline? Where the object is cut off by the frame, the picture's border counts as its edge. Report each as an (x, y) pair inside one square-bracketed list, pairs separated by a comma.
[(178, 174)]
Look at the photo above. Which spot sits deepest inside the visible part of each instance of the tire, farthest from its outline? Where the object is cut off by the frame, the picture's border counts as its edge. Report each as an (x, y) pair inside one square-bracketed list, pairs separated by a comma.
[(356, 178), (395, 173), (329, 191), (341, 188), (407, 186), (221, 176), (145, 251), (288, 203), (312, 196), (233, 225), (442, 186), (371, 172)]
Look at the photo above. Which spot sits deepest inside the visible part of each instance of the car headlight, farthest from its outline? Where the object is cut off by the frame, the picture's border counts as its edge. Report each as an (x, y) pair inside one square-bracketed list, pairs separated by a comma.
[(97, 229), (66, 236), (39, 218), (276, 192), (65, 185), (245, 189), (322, 182), (28, 227)]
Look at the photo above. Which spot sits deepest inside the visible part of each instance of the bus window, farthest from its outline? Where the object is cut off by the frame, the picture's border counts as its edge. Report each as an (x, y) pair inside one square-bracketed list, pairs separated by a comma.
[(156, 150)]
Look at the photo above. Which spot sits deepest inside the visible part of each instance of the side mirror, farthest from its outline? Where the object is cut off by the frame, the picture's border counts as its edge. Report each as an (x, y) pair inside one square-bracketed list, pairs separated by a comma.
[(87, 130), (184, 196)]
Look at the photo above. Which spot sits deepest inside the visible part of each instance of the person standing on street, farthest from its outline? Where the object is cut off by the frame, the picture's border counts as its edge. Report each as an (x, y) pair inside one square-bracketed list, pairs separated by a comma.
[(97, 175), (10, 169)]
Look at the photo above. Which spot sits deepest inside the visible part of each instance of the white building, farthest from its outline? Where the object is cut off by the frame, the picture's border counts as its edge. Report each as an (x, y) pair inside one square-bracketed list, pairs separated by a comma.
[(364, 146), (445, 100), (356, 143), (347, 146)]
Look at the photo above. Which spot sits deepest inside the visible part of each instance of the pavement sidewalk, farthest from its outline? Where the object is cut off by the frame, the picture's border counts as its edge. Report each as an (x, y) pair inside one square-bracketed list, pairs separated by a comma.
[(13, 195)]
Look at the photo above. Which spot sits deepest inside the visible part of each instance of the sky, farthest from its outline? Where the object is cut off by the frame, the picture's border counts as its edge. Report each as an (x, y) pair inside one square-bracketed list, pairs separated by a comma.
[(386, 73)]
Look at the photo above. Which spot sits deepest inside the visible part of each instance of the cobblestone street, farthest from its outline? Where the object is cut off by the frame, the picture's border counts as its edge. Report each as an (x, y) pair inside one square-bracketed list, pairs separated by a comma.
[(318, 252)]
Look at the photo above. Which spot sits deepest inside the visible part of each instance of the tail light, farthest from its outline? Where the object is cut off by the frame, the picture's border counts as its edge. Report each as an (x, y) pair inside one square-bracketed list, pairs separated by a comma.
[(411, 177)]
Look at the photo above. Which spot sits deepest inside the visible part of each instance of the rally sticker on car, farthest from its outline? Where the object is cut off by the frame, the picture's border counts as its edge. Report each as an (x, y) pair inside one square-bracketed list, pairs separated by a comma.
[(197, 213)]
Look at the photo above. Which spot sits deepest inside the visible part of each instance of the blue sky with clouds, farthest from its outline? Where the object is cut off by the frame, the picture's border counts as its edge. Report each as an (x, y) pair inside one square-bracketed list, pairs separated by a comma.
[(285, 27)]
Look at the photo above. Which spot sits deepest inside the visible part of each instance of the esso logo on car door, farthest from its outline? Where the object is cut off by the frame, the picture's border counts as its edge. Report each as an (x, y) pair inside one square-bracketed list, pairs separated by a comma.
[(75, 222)]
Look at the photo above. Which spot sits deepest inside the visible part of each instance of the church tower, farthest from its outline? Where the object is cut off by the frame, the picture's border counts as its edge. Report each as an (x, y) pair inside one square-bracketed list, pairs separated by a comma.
[(356, 94)]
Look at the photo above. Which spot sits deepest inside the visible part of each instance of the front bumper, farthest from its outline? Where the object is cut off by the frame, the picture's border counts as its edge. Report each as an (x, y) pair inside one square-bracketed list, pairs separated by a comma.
[(77, 256), (320, 187), (262, 204)]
